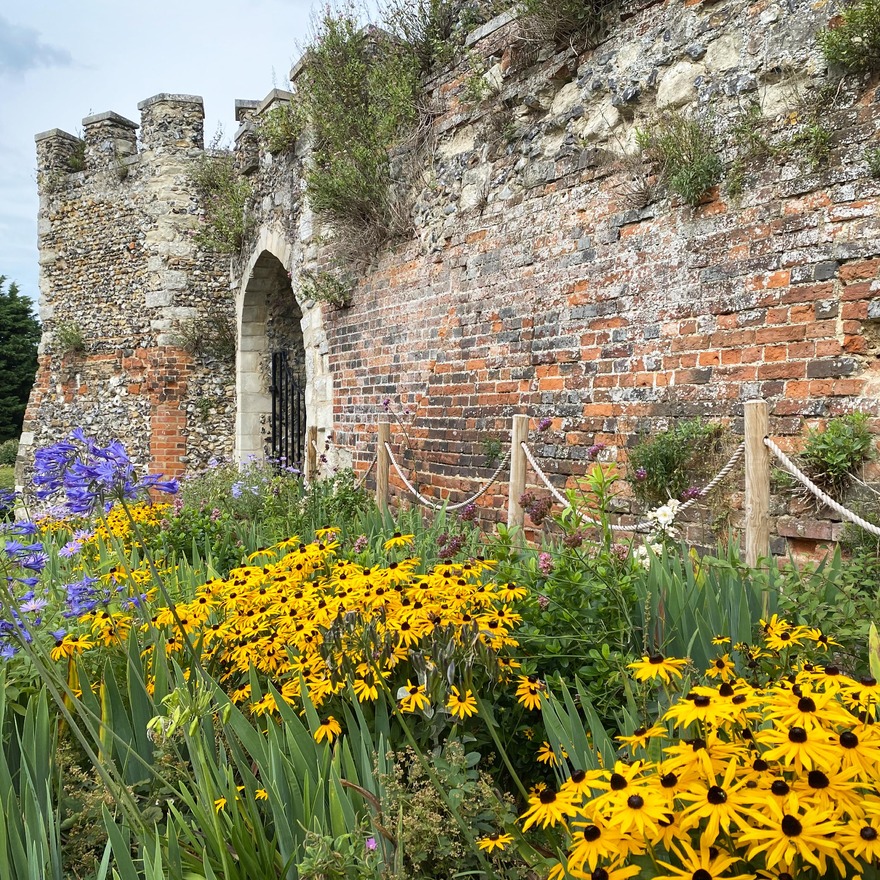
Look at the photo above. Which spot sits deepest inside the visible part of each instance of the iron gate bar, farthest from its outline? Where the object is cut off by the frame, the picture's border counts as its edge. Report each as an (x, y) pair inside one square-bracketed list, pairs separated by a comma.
[(288, 413)]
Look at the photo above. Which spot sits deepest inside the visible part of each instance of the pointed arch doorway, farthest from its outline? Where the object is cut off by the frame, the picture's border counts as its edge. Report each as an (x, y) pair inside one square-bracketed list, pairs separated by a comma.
[(271, 381)]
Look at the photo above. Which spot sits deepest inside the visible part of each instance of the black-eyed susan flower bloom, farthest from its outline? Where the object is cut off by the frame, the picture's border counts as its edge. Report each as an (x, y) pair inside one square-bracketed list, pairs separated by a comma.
[(592, 842), (797, 747), (261, 794), (655, 666), (69, 645), (398, 540), (328, 729), (860, 839), (461, 705), (641, 737), (788, 839), (548, 807), (722, 667), (720, 640), (412, 697), (491, 842), (717, 807), (547, 755), (707, 863), (219, 804), (530, 691)]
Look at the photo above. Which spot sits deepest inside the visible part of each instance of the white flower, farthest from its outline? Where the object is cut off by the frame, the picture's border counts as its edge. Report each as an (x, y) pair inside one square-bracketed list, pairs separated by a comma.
[(664, 515), (657, 549)]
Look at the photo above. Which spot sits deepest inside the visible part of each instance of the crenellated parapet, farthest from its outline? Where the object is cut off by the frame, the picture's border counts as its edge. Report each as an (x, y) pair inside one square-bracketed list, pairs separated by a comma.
[(127, 292)]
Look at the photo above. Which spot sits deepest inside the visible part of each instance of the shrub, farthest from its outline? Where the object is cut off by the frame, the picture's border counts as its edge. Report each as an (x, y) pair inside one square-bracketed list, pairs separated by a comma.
[(426, 25), (664, 466), (834, 454), (854, 44), (579, 22), (358, 92), (684, 151), (69, 337), (8, 453), (76, 161), (326, 287), (224, 194), (279, 127), (212, 335)]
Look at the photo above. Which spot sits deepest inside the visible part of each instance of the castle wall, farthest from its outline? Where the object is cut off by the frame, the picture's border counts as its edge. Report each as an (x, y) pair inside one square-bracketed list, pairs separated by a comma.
[(548, 273), (122, 282)]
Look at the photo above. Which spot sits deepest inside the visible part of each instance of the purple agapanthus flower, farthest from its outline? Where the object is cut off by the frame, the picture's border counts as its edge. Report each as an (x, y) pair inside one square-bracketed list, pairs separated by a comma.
[(90, 476)]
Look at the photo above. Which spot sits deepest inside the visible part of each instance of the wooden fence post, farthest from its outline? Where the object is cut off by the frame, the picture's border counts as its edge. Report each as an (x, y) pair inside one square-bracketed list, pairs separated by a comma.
[(519, 433), (383, 464), (757, 427), (311, 453)]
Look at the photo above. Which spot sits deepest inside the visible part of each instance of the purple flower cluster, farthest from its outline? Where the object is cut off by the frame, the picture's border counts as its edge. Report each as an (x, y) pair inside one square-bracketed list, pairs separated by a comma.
[(90, 476), (594, 450), (449, 545), (691, 492), (468, 513), (544, 424), (538, 509), (641, 474)]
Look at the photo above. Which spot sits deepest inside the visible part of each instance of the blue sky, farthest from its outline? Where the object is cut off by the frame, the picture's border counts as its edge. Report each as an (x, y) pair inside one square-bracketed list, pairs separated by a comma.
[(61, 60)]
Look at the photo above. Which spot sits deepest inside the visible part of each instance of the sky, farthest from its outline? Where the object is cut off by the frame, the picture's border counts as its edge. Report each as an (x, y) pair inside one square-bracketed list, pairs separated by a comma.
[(62, 60)]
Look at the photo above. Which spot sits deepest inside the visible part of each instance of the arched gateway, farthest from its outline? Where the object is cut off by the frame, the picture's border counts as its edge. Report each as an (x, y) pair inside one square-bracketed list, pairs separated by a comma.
[(283, 381)]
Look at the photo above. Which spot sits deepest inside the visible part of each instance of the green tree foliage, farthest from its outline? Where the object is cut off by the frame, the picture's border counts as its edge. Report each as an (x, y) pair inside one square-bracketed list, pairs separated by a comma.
[(19, 337)]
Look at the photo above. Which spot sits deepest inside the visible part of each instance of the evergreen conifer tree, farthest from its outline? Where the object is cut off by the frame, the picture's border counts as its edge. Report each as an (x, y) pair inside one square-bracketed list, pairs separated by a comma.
[(19, 337)]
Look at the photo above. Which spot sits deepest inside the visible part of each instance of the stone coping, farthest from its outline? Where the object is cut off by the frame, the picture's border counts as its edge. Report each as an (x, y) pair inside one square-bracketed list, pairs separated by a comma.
[(494, 24), (170, 98), (242, 106), (56, 133), (276, 96), (109, 116)]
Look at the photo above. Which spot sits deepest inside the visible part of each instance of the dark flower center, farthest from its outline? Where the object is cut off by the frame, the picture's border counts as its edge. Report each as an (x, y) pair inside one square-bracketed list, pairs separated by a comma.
[(655, 659), (635, 802), (702, 701), (599, 874), (720, 664), (578, 776), (832, 670), (639, 731), (868, 833), (547, 796), (791, 826), (848, 739), (668, 780), (738, 700), (726, 690), (591, 833), (760, 765), (666, 821), (716, 795), (779, 787), (797, 735), (817, 779), (618, 782), (701, 874), (806, 704), (868, 682)]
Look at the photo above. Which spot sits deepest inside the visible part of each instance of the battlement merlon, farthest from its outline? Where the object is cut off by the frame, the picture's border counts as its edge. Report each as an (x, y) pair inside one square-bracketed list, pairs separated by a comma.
[(110, 139), (55, 151), (172, 123)]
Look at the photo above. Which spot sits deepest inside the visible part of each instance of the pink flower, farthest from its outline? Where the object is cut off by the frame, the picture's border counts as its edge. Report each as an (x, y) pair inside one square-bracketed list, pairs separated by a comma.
[(545, 563)]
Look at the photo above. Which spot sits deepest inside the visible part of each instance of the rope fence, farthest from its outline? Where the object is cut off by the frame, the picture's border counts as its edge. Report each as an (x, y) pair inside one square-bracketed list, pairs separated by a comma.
[(431, 505), (755, 451), (826, 499)]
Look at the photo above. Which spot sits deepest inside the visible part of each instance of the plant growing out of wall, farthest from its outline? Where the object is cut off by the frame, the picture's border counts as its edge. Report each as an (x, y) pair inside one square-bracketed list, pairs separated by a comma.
[(69, 338), (326, 287), (279, 127), (669, 463), (835, 454), (224, 194), (684, 151), (359, 92), (854, 44), (209, 336), (76, 161), (428, 26), (577, 22)]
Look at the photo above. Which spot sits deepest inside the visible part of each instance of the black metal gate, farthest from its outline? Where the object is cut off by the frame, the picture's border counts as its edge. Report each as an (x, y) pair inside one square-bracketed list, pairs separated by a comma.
[(288, 414)]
